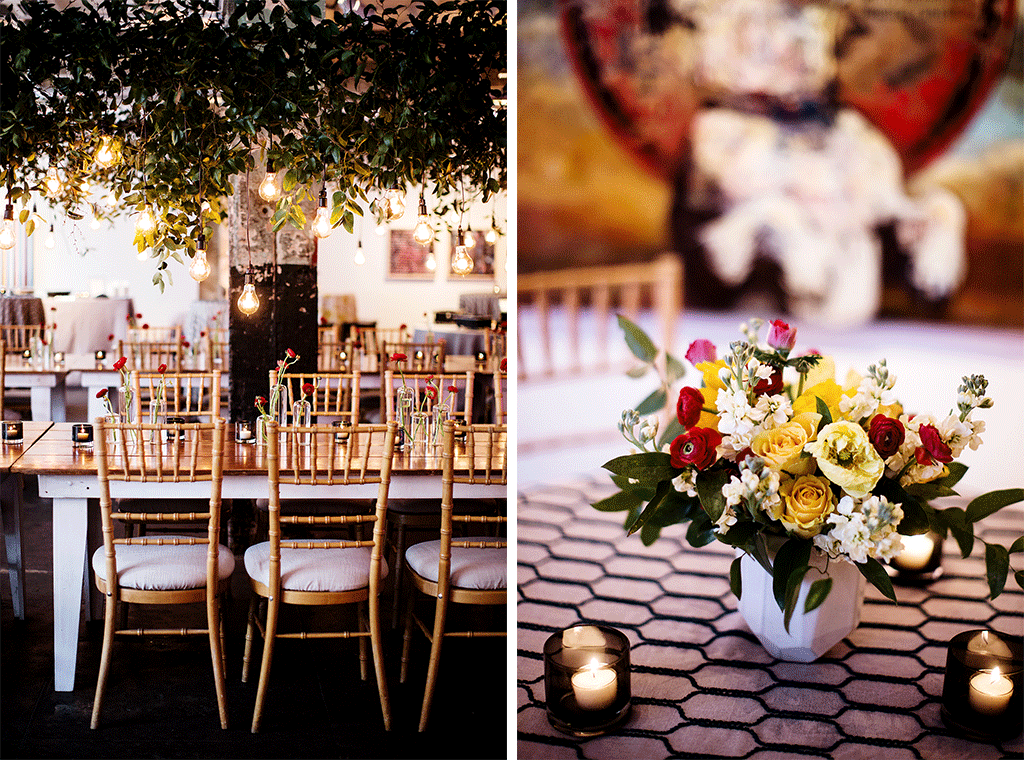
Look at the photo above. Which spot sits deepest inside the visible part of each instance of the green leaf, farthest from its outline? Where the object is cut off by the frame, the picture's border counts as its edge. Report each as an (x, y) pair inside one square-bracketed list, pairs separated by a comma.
[(915, 515), (997, 565), (1017, 546), (955, 519), (793, 584), (872, 570), (929, 491), (671, 430), (1018, 575), (652, 403), (826, 415), (956, 473), (740, 534), (638, 371), (619, 502), (817, 594), (736, 577), (991, 502), (674, 369), (647, 468), (793, 554), (701, 531), (639, 343), (650, 509), (709, 490)]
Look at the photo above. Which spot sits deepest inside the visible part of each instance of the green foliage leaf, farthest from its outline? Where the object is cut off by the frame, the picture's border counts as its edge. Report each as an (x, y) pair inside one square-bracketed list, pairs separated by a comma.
[(792, 555), (997, 566), (991, 502), (638, 341), (638, 371), (1018, 576), (955, 519), (793, 584), (736, 577), (1017, 546), (701, 531), (670, 431), (674, 369), (740, 534), (652, 403), (817, 593), (823, 410), (709, 490), (623, 500), (648, 468), (872, 570), (652, 507)]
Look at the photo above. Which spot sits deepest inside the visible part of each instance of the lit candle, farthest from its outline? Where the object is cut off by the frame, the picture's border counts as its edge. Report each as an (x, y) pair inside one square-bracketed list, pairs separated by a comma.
[(243, 431), (81, 435), (990, 692), (13, 432), (594, 686), (917, 552), (481, 356), (101, 355)]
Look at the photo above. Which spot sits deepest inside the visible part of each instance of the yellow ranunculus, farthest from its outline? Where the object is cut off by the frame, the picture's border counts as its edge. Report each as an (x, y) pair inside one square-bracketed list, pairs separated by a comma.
[(712, 384), (846, 457), (781, 446), (824, 370), (827, 390), (807, 501)]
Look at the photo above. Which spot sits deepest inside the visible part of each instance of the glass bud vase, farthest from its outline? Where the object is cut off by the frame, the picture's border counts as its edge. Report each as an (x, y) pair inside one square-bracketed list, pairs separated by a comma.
[(404, 397), (157, 416), (261, 429), (441, 413), (302, 412), (420, 431)]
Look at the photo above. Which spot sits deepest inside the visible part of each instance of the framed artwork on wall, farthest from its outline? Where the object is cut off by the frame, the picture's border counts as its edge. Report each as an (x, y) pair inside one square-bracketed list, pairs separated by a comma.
[(482, 254), (407, 259)]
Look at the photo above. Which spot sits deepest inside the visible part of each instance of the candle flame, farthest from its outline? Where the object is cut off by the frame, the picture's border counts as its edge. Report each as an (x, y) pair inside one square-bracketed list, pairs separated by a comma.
[(594, 665), (994, 675)]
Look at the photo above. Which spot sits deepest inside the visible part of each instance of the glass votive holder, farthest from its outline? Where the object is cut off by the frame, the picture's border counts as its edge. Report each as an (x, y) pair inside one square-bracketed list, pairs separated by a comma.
[(481, 357), (343, 427), (13, 431), (81, 435), (26, 354), (982, 694), (245, 432), (181, 431), (586, 679), (58, 358), (920, 562), (101, 355)]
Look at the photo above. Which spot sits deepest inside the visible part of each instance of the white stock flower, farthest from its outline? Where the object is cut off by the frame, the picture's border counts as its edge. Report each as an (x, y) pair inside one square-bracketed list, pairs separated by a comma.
[(862, 529), (725, 520), (775, 410)]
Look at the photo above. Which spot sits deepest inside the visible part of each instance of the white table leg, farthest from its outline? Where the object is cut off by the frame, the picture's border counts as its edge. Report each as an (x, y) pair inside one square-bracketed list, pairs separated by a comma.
[(48, 404), (10, 499), (69, 541)]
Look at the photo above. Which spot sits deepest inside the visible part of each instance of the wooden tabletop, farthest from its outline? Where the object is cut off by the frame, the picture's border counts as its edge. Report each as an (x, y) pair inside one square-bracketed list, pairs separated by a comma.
[(52, 453), (33, 431)]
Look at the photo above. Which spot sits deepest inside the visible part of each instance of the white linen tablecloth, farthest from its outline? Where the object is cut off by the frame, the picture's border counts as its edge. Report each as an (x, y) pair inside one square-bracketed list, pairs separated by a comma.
[(85, 324)]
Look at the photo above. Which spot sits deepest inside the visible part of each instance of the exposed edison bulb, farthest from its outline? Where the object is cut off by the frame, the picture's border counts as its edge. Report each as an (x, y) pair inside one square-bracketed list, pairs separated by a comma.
[(322, 226), (423, 233), (110, 200), (199, 270), (248, 301), (94, 222), (492, 235), (431, 262), (145, 222), (268, 190), (462, 262), (7, 236), (396, 204), (470, 238), (381, 230), (359, 258), (52, 181), (50, 240), (86, 186), (107, 154)]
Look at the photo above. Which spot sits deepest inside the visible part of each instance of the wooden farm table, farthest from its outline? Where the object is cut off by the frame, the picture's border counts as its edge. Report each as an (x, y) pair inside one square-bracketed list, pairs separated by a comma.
[(47, 388), (68, 476)]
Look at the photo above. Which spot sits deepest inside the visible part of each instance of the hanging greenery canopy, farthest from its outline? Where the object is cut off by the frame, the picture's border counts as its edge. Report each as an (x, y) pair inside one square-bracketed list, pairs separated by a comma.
[(164, 102)]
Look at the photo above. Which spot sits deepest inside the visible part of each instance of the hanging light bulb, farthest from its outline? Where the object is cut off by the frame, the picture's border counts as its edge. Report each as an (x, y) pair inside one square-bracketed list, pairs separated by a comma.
[(492, 234), (462, 262), (268, 189), (145, 222), (107, 154), (52, 181), (396, 204), (470, 237), (50, 241), (95, 221), (431, 262), (423, 233), (7, 236), (322, 226), (248, 302), (86, 186), (200, 268), (380, 229), (359, 259)]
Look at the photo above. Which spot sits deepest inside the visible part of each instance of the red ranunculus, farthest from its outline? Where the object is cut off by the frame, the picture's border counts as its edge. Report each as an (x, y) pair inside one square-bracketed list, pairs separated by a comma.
[(701, 351), (430, 392), (162, 368), (101, 393), (398, 357), (261, 401), (504, 365), (145, 326), (119, 364), (401, 326), (323, 320), (781, 336), (307, 388), (886, 435), (137, 316), (357, 344), (688, 407), (291, 354), (697, 447), (452, 389), (110, 337), (932, 443), (771, 386), (186, 344), (202, 333)]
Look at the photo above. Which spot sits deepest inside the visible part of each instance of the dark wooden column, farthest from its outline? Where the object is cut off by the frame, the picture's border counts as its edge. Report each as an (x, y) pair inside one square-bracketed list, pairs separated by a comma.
[(284, 265)]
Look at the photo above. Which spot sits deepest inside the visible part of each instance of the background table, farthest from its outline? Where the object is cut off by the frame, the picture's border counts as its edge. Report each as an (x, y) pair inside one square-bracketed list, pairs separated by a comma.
[(702, 684), (21, 310), (482, 304), (460, 341), (85, 324)]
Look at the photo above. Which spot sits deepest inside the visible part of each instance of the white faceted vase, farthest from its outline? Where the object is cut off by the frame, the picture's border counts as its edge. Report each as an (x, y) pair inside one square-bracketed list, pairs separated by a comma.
[(810, 634)]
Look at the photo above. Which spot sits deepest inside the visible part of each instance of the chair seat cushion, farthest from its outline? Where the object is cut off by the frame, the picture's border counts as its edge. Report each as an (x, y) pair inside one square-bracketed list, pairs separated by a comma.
[(152, 567), (476, 568), (314, 569)]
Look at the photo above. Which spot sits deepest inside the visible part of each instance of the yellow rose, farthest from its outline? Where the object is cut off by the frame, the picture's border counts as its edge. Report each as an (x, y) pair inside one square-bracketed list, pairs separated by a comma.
[(846, 457), (827, 390), (807, 501), (712, 384), (782, 446)]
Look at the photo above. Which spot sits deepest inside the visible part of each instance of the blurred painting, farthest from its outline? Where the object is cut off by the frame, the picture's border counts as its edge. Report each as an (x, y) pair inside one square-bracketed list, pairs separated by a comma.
[(409, 260), (480, 251)]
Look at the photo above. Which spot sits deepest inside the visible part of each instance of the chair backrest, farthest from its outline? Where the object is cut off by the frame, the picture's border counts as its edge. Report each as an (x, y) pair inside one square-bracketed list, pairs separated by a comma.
[(20, 337), (497, 344), (500, 397), (374, 338), (419, 357), (196, 457), (149, 355), (335, 394), (460, 401), (329, 346), (154, 334), (623, 288), (314, 456), (218, 349), (182, 394)]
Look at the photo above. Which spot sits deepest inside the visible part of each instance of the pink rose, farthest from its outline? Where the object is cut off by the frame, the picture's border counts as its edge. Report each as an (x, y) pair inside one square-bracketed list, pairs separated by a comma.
[(689, 406), (701, 351), (933, 446), (781, 336), (697, 447), (886, 435)]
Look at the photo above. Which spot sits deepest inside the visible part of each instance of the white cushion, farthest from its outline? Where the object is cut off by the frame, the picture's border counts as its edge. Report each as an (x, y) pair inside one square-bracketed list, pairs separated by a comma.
[(165, 567), (314, 569), (476, 568)]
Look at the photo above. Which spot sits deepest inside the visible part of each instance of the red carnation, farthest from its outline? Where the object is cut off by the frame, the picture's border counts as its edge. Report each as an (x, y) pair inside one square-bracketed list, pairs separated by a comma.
[(110, 337), (933, 446), (291, 354), (307, 388), (398, 357), (697, 447), (886, 435), (101, 393), (119, 364), (162, 368), (689, 406)]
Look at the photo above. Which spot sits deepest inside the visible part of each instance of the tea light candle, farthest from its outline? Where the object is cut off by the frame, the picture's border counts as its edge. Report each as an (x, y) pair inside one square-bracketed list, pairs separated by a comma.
[(582, 636), (481, 357), (245, 431), (101, 355), (343, 427), (175, 421), (594, 686), (81, 435), (12, 431), (26, 354), (58, 357), (990, 692), (917, 552)]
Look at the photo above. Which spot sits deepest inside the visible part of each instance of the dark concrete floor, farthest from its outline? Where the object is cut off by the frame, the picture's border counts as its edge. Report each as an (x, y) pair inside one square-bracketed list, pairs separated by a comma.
[(160, 698)]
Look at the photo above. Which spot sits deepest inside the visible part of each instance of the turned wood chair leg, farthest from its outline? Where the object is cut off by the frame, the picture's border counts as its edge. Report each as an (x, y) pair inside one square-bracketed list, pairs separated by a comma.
[(251, 624), (273, 608), (407, 636), (436, 639), (377, 645), (109, 618), (364, 665), (215, 632)]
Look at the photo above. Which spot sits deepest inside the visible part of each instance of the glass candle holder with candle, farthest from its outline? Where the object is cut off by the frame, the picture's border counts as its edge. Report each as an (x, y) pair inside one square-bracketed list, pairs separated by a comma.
[(587, 679), (920, 562), (181, 431), (245, 432), (81, 435), (982, 692), (342, 429), (13, 431)]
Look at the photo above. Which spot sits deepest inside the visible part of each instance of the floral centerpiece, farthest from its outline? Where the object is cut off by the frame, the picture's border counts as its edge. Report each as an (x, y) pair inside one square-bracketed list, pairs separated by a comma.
[(774, 457), (269, 410)]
